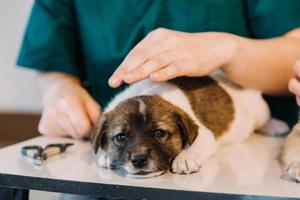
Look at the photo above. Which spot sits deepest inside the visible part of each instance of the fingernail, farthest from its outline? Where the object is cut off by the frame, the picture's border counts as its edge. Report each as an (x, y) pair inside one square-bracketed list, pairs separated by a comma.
[(112, 82)]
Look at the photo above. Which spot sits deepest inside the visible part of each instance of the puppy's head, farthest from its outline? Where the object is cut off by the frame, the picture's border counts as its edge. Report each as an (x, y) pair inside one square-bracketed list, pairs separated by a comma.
[(142, 136)]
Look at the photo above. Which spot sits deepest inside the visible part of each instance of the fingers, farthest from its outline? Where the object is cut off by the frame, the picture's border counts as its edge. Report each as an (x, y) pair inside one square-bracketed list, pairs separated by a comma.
[(203, 49), (93, 110), (55, 123), (69, 116), (294, 83), (152, 65), (47, 127), (64, 122), (154, 43), (173, 70), (294, 87), (297, 69), (77, 117)]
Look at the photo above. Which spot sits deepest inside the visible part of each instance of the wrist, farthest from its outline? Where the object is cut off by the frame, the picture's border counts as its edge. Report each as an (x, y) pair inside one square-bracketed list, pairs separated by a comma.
[(235, 48), (231, 46), (222, 48)]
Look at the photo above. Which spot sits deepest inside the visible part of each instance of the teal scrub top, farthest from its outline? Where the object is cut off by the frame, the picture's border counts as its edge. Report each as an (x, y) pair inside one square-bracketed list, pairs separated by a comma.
[(90, 38)]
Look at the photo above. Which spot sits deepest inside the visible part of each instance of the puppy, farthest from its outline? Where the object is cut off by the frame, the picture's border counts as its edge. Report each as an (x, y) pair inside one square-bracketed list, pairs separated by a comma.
[(151, 127)]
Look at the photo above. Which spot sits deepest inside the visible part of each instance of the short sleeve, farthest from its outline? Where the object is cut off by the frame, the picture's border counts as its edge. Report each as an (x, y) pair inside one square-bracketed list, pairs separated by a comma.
[(271, 18), (50, 41)]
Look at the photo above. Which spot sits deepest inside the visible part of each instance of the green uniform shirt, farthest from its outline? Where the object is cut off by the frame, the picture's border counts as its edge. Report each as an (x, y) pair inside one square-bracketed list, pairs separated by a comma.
[(90, 38)]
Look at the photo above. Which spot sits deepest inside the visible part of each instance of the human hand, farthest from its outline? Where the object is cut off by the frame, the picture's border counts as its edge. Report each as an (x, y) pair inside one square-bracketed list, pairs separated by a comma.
[(165, 54), (68, 110), (294, 83)]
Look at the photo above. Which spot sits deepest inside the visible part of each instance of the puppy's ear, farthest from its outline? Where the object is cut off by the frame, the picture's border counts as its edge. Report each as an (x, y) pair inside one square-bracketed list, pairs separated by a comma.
[(97, 133), (188, 129)]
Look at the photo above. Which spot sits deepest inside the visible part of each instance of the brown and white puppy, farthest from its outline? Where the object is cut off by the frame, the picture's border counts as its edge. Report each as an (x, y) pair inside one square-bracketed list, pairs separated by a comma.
[(151, 127)]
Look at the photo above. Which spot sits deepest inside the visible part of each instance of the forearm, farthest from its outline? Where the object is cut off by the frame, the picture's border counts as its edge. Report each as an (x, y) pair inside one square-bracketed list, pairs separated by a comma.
[(266, 65)]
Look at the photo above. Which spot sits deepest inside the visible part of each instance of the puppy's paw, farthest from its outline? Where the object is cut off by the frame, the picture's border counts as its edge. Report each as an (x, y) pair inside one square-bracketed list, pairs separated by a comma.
[(275, 127), (186, 163), (290, 155), (103, 160), (293, 170)]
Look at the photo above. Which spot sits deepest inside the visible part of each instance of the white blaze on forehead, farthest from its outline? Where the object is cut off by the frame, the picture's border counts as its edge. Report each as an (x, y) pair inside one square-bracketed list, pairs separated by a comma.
[(142, 107)]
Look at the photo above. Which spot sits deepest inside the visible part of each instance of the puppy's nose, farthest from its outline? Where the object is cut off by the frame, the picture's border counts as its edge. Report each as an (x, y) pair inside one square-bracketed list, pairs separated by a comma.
[(139, 161)]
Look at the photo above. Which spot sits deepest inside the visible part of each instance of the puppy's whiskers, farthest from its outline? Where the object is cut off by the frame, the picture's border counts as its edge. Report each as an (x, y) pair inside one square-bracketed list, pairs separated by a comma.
[(161, 165)]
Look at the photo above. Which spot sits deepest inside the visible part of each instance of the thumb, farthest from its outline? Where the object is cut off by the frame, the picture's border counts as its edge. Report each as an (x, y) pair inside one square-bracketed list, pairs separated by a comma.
[(93, 109)]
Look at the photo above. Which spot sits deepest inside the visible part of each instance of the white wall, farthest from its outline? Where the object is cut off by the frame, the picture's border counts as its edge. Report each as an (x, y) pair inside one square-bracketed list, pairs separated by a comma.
[(18, 91)]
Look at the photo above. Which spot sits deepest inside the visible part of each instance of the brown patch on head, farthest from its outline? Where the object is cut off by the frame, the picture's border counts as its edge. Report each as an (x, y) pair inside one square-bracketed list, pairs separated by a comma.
[(151, 125), (210, 102), (157, 114), (166, 113)]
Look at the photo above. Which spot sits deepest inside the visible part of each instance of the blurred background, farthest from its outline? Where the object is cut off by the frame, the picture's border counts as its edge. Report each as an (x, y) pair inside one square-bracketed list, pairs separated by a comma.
[(20, 105), (19, 100)]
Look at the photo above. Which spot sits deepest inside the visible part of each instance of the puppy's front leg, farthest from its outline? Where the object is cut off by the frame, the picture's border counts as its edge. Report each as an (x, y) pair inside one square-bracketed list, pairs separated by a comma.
[(190, 159), (291, 153), (103, 159)]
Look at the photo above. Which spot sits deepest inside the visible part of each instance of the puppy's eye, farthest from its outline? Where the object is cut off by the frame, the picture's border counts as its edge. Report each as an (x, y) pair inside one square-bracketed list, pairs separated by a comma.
[(121, 138), (159, 133)]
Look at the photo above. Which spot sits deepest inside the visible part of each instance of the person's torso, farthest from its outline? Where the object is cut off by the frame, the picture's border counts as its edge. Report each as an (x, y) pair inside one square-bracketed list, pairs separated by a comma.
[(110, 29)]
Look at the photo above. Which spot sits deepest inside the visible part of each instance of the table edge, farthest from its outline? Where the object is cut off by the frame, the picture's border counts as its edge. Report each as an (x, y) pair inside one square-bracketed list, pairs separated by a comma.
[(111, 190)]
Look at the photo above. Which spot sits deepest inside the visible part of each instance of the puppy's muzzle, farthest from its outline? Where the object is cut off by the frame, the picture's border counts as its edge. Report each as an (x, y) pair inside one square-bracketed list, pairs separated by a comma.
[(139, 160)]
